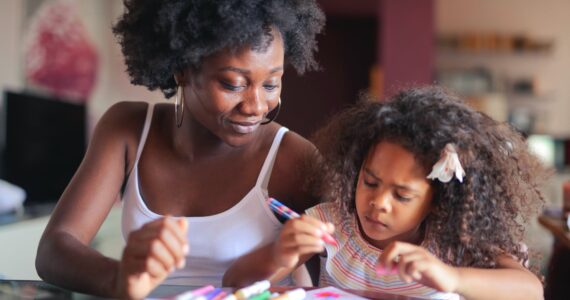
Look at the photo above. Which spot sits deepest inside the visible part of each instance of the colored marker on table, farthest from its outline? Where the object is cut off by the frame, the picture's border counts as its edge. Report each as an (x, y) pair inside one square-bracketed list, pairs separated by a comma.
[(284, 211), (210, 295), (248, 291), (195, 293), (263, 296), (296, 294)]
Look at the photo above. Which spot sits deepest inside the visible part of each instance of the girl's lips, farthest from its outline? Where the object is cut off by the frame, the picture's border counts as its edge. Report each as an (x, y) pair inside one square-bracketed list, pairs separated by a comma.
[(244, 127), (375, 222)]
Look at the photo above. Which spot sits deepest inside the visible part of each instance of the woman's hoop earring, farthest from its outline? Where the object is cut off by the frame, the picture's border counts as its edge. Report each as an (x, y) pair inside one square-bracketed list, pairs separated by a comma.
[(179, 106), (276, 110)]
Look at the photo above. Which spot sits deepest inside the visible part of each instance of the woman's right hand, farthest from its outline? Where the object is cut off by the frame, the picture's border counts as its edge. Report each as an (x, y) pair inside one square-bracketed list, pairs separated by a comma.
[(298, 237), (151, 253)]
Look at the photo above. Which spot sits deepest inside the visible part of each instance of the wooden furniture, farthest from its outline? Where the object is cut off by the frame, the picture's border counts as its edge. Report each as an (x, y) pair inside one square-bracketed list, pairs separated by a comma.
[(558, 273), (557, 227)]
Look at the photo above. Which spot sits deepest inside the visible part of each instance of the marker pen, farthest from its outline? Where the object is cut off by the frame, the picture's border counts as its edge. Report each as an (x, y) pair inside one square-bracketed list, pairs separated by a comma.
[(288, 213), (195, 293), (248, 291)]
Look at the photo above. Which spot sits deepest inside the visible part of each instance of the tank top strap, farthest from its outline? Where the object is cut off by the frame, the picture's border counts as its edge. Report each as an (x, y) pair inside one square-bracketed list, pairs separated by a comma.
[(144, 134), (265, 174)]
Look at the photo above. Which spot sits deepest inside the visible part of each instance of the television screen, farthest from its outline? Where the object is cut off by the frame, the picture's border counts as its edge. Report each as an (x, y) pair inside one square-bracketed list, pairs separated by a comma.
[(44, 144)]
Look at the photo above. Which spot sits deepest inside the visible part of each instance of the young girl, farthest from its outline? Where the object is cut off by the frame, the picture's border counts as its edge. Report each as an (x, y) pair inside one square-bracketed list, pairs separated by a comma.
[(427, 198)]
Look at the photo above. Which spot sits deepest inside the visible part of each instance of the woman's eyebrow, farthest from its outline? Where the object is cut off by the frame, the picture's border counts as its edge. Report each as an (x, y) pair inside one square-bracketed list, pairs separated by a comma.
[(247, 72), (234, 69)]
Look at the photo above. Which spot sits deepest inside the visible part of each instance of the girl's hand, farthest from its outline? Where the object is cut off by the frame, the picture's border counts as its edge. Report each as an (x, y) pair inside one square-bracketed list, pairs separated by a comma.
[(415, 263), (298, 237), (151, 253)]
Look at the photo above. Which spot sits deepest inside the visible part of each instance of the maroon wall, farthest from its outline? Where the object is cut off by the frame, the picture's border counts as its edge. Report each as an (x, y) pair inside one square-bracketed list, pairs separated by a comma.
[(406, 43), (346, 53), (396, 34)]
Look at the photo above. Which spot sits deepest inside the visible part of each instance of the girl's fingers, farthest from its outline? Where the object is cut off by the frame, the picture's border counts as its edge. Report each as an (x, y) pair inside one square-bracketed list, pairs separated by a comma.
[(393, 252), (406, 265), (300, 240), (307, 225), (323, 227), (417, 268), (310, 249), (303, 226), (398, 254)]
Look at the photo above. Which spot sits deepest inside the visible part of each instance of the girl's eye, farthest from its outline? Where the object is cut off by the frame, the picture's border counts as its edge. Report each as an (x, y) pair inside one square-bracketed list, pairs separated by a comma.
[(370, 183), (402, 198), (230, 87)]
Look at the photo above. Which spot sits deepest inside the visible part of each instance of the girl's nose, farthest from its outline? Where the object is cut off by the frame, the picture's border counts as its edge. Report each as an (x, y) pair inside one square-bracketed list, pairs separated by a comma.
[(382, 203)]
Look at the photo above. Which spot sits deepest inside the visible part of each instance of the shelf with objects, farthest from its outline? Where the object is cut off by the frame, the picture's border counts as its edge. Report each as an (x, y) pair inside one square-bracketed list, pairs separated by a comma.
[(493, 43), (500, 74)]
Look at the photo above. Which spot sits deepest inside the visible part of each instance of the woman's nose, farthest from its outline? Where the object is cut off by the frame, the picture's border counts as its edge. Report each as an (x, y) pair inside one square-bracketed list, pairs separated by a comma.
[(254, 103)]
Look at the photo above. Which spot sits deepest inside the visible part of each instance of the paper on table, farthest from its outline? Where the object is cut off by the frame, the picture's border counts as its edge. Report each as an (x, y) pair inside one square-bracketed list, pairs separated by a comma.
[(330, 292)]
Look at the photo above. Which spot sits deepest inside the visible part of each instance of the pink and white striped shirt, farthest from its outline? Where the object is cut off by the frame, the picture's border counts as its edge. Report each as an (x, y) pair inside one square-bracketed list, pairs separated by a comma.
[(351, 264)]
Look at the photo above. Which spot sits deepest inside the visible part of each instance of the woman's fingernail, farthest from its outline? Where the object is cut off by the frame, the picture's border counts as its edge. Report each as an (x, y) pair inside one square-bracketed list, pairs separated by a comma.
[(186, 248), (182, 264)]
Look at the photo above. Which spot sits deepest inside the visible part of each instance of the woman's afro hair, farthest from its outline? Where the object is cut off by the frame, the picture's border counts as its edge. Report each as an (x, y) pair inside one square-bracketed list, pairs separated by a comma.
[(161, 38)]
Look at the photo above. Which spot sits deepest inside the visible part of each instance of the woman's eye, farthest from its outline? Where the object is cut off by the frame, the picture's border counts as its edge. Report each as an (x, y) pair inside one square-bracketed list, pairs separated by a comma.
[(270, 87), (230, 87)]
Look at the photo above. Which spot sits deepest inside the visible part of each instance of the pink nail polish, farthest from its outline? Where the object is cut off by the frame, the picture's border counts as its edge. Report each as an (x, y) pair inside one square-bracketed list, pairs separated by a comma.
[(329, 239), (382, 271)]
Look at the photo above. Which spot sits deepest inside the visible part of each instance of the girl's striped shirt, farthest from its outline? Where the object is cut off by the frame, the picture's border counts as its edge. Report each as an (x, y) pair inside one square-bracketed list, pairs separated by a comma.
[(351, 264)]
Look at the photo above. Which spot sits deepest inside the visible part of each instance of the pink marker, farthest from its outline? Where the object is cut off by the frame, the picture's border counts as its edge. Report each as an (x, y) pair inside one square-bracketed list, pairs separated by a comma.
[(284, 211), (382, 271)]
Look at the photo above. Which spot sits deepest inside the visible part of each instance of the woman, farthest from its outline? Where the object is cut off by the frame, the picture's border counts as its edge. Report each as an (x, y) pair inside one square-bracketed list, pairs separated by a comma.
[(193, 176)]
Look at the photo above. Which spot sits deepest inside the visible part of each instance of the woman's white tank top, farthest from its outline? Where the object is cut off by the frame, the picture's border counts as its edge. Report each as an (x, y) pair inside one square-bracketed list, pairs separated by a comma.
[(217, 240)]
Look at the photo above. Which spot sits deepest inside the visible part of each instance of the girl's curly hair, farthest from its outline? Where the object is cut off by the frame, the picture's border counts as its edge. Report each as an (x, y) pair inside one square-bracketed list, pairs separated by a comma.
[(473, 222), (160, 38)]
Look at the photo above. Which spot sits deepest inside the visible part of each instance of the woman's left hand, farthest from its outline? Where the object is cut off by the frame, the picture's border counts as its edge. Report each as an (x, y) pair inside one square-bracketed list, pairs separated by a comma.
[(415, 263)]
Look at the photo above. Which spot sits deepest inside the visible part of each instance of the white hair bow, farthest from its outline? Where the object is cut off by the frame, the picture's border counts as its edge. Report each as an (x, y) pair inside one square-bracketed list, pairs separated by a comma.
[(447, 165)]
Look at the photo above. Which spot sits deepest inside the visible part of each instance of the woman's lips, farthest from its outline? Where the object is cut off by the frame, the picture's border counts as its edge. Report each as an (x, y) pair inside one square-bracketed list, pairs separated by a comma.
[(244, 127)]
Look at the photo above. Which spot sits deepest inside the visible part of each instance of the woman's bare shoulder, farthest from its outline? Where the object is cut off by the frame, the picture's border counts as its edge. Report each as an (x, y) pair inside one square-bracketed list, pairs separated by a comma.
[(295, 147), (125, 114), (123, 120), (289, 176), (122, 123)]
